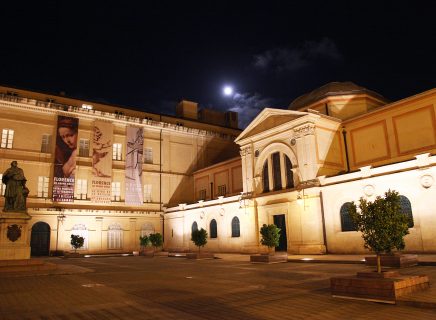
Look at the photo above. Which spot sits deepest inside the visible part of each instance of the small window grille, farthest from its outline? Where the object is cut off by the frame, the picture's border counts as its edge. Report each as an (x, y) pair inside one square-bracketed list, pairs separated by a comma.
[(116, 151), (81, 189), (406, 209), (46, 143), (222, 190), (236, 231), (346, 222), (148, 155), (202, 194)]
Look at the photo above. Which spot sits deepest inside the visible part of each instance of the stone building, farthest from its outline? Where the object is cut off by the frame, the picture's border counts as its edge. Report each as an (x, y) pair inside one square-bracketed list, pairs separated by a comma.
[(102, 171), (300, 166)]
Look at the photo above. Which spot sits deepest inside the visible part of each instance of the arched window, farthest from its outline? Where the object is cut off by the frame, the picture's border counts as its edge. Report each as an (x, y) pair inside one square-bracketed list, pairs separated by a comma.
[(194, 227), (235, 228), (346, 222), (147, 229), (289, 173), (406, 209), (265, 177), (114, 236), (213, 229), (277, 175), (81, 230)]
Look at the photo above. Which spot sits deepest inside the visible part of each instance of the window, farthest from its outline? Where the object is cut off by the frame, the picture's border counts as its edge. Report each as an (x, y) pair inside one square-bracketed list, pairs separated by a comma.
[(289, 173), (116, 191), (346, 222), (147, 229), (42, 187), (45, 143), (116, 151), (265, 177), (7, 138), (213, 229), (87, 106), (81, 189), (406, 209), (81, 230), (147, 193), (277, 176), (148, 155), (84, 148), (202, 194), (114, 236), (235, 228), (194, 227), (222, 190), (2, 186)]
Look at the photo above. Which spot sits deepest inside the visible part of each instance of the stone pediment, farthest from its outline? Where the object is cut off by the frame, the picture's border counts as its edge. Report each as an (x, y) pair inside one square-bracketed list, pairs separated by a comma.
[(268, 119)]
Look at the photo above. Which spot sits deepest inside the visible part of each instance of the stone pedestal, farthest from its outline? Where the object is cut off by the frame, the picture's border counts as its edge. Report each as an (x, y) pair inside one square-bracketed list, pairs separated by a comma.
[(383, 287), (202, 255), (14, 236), (396, 260)]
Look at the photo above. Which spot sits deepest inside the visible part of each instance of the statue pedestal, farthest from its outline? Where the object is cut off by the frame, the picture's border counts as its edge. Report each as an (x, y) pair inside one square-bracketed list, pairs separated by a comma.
[(14, 236)]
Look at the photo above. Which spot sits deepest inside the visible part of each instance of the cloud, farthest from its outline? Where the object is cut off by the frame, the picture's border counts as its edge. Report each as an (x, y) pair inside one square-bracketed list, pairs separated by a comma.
[(248, 106), (285, 59)]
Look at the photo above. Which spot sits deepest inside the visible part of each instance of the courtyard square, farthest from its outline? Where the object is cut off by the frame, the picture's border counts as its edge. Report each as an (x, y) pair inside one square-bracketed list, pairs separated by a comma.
[(178, 288)]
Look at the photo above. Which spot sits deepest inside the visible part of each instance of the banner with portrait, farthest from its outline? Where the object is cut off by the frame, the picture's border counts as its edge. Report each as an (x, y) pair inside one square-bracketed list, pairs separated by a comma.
[(65, 159), (134, 150), (101, 162)]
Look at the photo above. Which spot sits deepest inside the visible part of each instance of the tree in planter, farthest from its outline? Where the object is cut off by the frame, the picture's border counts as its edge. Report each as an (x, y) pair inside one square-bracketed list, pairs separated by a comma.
[(382, 223), (156, 240), (144, 242), (77, 242), (270, 236), (199, 237)]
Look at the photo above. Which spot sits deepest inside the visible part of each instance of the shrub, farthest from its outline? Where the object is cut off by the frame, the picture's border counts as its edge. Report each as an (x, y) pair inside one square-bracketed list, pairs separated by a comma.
[(156, 239), (144, 241), (77, 241), (270, 235), (199, 237)]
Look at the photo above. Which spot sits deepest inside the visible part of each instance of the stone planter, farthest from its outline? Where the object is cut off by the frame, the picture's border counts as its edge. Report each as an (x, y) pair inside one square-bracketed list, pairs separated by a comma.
[(383, 287), (269, 258), (147, 252), (72, 255), (201, 255), (396, 260)]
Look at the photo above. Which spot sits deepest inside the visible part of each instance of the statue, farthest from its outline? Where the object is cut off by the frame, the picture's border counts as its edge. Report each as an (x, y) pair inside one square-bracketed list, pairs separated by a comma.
[(16, 191)]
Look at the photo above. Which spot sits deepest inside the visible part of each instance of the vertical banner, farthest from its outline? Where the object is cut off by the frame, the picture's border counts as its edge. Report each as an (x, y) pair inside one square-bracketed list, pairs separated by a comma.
[(135, 142), (101, 162), (65, 159)]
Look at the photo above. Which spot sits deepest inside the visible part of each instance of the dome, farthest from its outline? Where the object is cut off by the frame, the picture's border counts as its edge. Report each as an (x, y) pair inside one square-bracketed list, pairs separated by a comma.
[(332, 89)]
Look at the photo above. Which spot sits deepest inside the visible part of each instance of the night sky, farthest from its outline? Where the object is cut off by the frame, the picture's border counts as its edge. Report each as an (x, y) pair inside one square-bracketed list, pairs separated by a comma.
[(150, 54)]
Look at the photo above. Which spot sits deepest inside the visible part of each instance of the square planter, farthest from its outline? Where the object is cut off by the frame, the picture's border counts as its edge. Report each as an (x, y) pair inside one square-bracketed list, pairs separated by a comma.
[(269, 258), (201, 255), (396, 260)]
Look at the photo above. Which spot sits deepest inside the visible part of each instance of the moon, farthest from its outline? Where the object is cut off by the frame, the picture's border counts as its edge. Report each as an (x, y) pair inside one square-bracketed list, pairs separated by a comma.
[(228, 90)]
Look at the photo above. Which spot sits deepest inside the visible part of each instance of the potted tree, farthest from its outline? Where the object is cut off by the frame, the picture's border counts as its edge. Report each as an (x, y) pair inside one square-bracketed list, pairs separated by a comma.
[(145, 243), (199, 237), (383, 227), (270, 236), (156, 240), (76, 242)]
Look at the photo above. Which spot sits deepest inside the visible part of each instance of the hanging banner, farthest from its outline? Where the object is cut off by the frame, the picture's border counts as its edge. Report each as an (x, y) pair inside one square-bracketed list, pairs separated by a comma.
[(101, 162), (65, 159), (135, 142)]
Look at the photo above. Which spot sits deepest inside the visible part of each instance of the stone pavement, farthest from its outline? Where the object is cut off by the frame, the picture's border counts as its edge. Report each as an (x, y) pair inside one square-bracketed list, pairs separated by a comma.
[(177, 288)]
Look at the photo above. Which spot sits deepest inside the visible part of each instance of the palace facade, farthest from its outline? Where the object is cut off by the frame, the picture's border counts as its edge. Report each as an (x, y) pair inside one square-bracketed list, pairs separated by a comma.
[(301, 166), (130, 173)]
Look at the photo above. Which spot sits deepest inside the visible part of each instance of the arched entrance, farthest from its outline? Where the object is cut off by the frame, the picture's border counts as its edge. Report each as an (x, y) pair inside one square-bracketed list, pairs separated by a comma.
[(40, 239)]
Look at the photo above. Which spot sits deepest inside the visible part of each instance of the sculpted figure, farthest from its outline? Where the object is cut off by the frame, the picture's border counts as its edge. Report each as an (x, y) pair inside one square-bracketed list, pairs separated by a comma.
[(16, 191)]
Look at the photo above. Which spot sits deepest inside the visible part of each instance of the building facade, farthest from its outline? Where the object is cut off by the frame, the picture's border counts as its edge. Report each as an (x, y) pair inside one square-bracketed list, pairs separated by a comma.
[(301, 166), (101, 171)]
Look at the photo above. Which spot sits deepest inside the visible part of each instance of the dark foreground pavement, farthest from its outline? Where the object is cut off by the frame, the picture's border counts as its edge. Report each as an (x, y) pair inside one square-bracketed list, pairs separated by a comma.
[(176, 288)]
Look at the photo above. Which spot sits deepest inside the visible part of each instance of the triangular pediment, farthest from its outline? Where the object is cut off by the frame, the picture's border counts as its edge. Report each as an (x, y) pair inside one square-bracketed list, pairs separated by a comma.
[(268, 119)]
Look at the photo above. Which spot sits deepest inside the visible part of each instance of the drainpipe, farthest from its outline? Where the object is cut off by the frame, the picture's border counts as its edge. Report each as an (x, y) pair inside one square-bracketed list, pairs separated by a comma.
[(344, 133), (211, 191)]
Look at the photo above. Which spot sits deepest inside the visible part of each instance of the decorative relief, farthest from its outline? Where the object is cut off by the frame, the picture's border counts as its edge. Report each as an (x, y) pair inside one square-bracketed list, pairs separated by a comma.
[(368, 190), (293, 142), (426, 180), (245, 151), (14, 232), (304, 130), (202, 214), (221, 212)]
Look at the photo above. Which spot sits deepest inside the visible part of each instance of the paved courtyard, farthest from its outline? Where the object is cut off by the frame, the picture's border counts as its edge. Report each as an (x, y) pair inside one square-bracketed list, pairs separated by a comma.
[(177, 288)]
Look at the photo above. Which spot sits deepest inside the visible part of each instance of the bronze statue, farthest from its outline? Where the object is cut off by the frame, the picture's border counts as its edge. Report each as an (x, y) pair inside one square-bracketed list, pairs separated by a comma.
[(16, 191)]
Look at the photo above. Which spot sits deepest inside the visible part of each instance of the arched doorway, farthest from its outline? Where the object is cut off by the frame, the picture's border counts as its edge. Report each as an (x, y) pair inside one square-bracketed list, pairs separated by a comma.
[(40, 239)]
